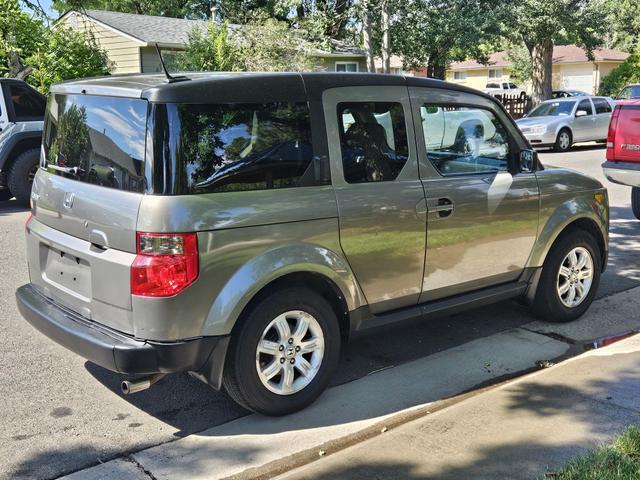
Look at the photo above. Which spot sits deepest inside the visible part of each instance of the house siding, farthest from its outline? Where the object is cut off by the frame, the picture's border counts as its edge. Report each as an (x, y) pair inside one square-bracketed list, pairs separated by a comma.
[(585, 76), (123, 52), (329, 64)]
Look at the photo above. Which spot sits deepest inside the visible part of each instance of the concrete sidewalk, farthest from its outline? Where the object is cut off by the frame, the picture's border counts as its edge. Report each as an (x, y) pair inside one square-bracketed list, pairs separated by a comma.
[(480, 433), (521, 430)]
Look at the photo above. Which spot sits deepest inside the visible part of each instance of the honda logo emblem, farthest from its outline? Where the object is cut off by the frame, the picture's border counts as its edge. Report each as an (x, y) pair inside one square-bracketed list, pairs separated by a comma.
[(69, 197)]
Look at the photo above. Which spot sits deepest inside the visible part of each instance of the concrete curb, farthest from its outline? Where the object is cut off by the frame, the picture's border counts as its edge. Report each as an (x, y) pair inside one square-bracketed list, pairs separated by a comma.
[(252, 447)]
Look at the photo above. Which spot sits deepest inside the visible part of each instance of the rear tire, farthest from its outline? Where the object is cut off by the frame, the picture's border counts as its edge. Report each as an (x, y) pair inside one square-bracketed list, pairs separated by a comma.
[(563, 141), (635, 201), (246, 374), (550, 302), (21, 175)]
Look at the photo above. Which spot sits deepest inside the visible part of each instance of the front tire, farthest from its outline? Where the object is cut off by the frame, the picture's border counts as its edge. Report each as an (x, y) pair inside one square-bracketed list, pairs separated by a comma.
[(284, 353), (563, 141), (22, 173), (570, 278), (635, 201)]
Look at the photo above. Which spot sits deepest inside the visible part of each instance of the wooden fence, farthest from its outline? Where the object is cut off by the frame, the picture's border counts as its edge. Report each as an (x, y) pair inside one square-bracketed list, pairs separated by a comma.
[(517, 106)]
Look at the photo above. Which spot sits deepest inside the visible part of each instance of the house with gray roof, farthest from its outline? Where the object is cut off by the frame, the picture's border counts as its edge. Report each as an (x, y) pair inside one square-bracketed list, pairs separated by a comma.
[(130, 40)]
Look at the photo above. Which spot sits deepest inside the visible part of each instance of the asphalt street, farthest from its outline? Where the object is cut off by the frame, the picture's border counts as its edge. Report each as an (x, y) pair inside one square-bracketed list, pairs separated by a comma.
[(60, 414)]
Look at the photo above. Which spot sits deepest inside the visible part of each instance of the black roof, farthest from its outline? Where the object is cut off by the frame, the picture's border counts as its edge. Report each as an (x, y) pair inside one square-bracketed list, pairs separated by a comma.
[(217, 87)]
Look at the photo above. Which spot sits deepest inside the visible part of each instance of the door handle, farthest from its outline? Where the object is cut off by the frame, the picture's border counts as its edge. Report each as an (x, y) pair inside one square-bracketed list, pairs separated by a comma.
[(442, 207)]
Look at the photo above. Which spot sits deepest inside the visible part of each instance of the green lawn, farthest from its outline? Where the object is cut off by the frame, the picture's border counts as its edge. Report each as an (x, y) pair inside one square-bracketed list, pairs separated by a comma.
[(618, 461)]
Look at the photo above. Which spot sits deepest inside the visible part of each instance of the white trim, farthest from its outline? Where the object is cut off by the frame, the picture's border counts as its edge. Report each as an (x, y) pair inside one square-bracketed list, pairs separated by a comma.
[(357, 64), (104, 25)]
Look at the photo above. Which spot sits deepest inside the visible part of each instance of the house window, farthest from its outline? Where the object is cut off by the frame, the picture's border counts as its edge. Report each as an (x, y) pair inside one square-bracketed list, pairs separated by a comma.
[(346, 66), (495, 73), (459, 75), (396, 71)]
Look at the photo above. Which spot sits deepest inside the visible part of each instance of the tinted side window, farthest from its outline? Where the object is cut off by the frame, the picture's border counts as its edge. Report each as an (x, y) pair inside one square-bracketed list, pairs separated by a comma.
[(462, 140), (99, 140), (601, 106), (373, 140), (235, 147), (27, 105), (586, 106)]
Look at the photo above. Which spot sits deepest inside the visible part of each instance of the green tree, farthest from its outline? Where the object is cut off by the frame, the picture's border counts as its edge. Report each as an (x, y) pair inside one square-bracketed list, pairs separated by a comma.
[(265, 45), (168, 8), (20, 36), (67, 54), (211, 50), (624, 21), (626, 73), (433, 33), (540, 24), (521, 69)]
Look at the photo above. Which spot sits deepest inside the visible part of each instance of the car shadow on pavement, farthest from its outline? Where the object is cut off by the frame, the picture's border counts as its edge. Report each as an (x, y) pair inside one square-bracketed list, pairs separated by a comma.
[(623, 267), (191, 406), (11, 206)]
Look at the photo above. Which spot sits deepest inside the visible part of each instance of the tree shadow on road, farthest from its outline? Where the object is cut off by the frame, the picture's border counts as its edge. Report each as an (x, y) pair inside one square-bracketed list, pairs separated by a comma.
[(560, 421)]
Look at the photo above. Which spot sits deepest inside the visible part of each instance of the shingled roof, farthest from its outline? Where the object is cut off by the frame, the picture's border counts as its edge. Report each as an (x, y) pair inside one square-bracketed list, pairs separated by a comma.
[(561, 54), (171, 32)]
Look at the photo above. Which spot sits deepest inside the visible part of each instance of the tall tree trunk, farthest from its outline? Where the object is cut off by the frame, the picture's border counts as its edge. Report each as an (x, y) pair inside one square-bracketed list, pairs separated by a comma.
[(366, 37), (386, 39), (541, 61)]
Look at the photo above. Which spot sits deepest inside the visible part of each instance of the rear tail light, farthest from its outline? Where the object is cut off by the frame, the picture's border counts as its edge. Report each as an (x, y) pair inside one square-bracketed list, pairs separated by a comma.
[(165, 264), (26, 223), (611, 136)]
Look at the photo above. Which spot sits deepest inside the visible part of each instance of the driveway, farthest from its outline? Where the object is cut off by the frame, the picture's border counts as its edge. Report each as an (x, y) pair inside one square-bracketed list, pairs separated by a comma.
[(62, 414)]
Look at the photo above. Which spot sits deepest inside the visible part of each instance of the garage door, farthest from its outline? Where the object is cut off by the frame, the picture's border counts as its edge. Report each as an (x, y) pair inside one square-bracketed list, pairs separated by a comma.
[(577, 78)]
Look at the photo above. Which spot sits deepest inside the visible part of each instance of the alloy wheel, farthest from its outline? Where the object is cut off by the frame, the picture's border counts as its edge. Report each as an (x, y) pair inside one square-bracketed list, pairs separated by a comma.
[(575, 277), (289, 353)]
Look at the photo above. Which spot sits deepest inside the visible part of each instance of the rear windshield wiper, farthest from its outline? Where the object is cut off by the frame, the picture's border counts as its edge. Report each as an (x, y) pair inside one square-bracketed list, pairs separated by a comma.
[(68, 170)]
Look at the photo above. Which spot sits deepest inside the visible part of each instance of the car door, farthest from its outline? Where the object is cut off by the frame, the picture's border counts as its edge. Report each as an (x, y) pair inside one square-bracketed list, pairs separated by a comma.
[(482, 214), (380, 198), (584, 128), (603, 111)]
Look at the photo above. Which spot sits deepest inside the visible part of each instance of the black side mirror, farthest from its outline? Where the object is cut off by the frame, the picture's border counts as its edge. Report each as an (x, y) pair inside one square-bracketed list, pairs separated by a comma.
[(528, 161)]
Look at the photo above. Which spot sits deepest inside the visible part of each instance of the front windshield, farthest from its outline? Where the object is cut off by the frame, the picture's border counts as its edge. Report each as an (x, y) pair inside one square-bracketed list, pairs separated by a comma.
[(553, 109)]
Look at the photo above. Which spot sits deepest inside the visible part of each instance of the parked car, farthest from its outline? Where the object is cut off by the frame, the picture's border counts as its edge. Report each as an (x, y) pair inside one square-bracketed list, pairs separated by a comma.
[(623, 149), (242, 227), (630, 91), (569, 93), (21, 120), (504, 88), (561, 122)]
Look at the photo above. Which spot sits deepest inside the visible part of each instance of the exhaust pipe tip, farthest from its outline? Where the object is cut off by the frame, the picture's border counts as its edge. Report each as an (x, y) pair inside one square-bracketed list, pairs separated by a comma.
[(134, 386)]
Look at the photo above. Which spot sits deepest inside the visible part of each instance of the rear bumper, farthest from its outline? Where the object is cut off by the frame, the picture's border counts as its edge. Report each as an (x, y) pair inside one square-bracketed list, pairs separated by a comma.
[(624, 173), (109, 348)]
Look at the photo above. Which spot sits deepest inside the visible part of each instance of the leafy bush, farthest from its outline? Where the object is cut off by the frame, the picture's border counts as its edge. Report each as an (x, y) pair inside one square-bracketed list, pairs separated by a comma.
[(627, 72), (67, 54)]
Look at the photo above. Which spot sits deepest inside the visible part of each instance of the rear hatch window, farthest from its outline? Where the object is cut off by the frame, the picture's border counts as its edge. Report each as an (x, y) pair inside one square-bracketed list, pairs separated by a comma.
[(97, 140)]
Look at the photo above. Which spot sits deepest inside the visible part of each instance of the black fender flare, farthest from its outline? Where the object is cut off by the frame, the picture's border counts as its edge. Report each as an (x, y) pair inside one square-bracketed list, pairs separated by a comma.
[(13, 141)]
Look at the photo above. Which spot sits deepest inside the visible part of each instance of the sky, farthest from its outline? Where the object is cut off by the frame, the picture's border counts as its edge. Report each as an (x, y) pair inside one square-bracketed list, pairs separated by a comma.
[(46, 5)]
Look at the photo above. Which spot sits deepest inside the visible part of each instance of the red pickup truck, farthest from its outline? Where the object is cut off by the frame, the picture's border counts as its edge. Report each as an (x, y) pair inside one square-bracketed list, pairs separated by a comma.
[(623, 149)]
